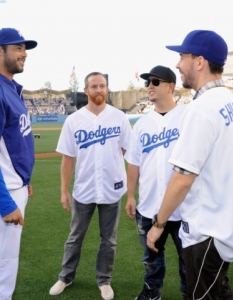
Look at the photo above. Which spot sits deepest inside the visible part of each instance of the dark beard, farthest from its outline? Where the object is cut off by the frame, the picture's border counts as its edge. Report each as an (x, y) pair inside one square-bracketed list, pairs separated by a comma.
[(153, 100), (12, 67), (186, 85)]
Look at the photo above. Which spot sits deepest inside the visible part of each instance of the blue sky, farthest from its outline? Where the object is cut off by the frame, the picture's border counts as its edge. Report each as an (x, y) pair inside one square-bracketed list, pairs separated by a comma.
[(115, 37)]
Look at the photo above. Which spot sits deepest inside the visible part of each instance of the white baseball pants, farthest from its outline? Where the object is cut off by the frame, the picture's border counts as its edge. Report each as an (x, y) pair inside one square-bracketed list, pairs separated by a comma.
[(10, 235)]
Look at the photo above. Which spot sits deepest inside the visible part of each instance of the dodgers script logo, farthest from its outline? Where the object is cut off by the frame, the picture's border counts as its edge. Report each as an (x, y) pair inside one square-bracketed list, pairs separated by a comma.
[(98, 136), (164, 138), (25, 124)]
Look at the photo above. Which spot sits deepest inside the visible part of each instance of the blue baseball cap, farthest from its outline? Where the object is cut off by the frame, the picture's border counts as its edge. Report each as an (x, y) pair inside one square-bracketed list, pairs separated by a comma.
[(11, 36), (204, 43)]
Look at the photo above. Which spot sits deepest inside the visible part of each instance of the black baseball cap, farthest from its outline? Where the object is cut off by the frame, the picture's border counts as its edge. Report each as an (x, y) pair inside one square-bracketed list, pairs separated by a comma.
[(161, 72), (11, 36)]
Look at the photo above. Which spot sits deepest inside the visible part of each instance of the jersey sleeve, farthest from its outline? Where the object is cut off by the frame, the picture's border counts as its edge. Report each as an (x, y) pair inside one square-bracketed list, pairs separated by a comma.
[(7, 204), (197, 136), (2, 115), (134, 154), (66, 144), (126, 134)]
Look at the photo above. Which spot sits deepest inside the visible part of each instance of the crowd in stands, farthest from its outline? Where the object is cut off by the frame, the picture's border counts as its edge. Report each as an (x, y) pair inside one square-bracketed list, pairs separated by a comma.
[(43, 106)]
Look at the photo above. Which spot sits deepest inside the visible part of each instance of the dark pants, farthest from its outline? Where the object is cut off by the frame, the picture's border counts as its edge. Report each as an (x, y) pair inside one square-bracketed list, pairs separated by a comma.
[(155, 262), (206, 272)]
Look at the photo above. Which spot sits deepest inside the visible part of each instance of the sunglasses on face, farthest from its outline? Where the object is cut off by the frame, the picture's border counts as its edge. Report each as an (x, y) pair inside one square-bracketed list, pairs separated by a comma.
[(154, 81)]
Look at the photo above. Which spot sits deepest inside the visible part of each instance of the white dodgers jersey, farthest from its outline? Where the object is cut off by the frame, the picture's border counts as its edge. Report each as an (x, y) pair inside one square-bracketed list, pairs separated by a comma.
[(96, 142), (205, 147), (153, 139)]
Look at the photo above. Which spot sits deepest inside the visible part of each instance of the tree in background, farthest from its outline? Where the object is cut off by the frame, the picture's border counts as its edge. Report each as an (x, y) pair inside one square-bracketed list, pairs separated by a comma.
[(48, 85), (182, 95), (74, 84), (73, 81), (131, 86)]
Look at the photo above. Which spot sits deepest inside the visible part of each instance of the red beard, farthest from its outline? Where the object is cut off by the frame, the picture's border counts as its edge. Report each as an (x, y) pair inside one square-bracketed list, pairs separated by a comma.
[(98, 99)]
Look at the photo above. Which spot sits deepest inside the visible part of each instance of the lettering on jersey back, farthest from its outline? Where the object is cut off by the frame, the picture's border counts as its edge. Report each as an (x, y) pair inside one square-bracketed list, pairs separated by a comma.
[(227, 113), (98, 136), (164, 138), (25, 124)]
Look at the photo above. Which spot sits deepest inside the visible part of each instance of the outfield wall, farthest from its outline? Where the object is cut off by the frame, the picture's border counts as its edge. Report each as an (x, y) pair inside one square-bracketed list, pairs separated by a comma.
[(62, 118), (49, 119)]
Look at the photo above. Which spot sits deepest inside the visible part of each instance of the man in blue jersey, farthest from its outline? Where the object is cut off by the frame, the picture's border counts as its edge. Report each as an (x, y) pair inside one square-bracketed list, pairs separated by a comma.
[(16, 155)]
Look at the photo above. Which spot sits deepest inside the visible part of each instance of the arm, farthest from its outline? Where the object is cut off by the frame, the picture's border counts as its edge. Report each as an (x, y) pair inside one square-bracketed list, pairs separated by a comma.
[(177, 189), (126, 137), (123, 151), (14, 217), (132, 181), (67, 166), (30, 190), (8, 208)]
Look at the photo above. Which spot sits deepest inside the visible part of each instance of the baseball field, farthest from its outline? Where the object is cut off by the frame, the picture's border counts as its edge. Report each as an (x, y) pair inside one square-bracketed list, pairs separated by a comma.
[(46, 229)]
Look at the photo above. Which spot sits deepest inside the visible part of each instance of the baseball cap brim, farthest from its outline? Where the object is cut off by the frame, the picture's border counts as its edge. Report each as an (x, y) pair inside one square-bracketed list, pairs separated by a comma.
[(28, 43), (147, 75), (179, 49)]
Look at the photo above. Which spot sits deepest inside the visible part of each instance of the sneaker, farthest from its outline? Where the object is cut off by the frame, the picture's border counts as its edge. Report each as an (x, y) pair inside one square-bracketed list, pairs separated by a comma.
[(149, 294), (58, 288), (185, 297), (226, 291), (106, 292)]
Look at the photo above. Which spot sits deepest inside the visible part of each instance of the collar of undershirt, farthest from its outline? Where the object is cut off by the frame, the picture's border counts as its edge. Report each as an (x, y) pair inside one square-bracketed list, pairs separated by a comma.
[(208, 86), (162, 114)]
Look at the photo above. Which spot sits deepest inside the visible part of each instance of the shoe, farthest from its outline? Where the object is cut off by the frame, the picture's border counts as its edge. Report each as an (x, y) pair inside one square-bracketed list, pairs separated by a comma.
[(106, 292), (58, 288), (226, 291), (185, 297), (149, 294)]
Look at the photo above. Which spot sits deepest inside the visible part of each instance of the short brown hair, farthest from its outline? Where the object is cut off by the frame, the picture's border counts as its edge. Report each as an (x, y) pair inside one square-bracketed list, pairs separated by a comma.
[(93, 74), (4, 47), (214, 69)]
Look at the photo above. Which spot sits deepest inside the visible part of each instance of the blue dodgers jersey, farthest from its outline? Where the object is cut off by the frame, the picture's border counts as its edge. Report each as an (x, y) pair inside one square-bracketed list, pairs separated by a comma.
[(15, 128)]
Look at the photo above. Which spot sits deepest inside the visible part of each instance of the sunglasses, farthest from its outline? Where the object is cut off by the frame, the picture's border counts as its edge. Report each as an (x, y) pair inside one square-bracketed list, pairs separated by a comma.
[(154, 81)]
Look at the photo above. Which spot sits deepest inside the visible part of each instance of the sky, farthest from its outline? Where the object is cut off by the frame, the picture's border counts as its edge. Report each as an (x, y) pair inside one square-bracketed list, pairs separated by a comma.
[(114, 37)]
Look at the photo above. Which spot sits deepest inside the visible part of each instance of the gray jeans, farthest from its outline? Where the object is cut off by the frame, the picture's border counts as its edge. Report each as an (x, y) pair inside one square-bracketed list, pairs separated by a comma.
[(109, 215)]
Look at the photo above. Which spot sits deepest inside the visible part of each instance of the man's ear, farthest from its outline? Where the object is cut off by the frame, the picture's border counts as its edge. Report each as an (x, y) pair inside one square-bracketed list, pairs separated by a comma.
[(172, 87), (200, 62), (85, 91), (1, 50)]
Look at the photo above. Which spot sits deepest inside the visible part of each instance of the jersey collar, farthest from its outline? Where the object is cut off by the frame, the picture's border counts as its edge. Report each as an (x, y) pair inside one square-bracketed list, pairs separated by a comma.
[(207, 86)]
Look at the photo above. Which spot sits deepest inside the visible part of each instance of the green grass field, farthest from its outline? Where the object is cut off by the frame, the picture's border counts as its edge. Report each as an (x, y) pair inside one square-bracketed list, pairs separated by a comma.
[(46, 230)]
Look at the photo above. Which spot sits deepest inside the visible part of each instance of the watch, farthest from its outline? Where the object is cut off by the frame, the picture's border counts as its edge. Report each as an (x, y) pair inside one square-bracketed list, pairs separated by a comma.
[(156, 224)]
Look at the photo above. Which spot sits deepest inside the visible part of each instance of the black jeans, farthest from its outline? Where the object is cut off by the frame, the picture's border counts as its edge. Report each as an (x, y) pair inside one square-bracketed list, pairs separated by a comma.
[(206, 272), (155, 262)]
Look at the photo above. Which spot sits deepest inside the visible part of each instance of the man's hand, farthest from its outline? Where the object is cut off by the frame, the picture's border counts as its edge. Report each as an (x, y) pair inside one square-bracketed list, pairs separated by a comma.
[(130, 208), (30, 190), (14, 217), (153, 235), (66, 201)]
